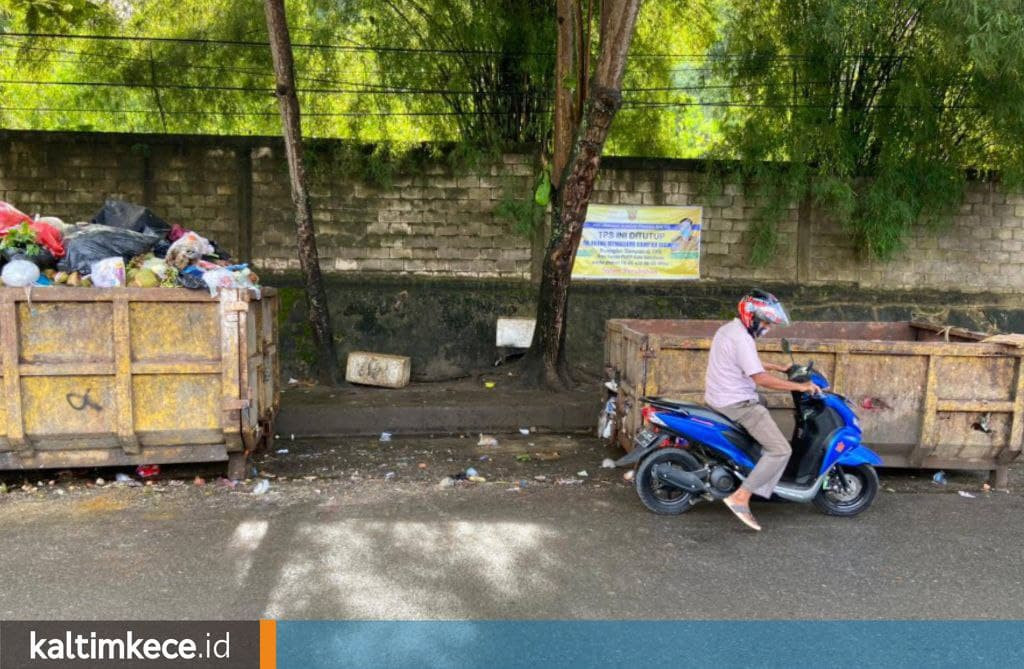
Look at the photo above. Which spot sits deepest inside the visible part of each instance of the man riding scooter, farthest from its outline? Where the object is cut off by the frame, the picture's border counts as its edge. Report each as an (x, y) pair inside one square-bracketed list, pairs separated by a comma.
[(734, 373)]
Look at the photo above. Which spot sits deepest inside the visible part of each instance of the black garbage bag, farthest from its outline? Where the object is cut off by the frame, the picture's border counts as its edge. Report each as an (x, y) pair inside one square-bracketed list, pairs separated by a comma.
[(192, 278), (96, 242), (161, 248), (134, 217)]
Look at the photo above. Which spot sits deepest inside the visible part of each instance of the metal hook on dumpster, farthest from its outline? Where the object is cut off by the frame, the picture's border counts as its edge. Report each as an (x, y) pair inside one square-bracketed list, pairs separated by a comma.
[(79, 402)]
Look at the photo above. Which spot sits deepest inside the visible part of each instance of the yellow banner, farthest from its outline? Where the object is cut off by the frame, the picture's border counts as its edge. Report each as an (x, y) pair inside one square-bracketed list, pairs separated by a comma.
[(639, 243)]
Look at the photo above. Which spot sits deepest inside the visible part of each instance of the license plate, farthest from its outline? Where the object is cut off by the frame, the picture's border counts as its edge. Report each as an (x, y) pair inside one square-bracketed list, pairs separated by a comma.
[(644, 438)]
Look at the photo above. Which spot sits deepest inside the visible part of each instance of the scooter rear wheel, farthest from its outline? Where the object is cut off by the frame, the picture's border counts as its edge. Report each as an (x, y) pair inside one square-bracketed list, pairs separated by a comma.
[(660, 498), (861, 488)]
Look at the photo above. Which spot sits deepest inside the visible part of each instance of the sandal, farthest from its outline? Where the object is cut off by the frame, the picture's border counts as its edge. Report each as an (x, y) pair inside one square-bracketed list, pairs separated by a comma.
[(743, 513)]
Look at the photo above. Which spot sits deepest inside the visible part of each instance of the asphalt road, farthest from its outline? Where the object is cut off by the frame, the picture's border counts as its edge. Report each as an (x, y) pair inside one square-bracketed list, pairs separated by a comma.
[(371, 548)]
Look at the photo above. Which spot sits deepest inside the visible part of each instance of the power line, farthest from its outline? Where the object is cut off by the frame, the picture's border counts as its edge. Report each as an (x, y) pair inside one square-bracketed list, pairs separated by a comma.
[(261, 44), (157, 112), (356, 47)]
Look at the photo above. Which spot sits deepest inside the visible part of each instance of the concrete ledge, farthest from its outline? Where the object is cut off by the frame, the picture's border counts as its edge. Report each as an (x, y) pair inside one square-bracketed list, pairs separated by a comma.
[(425, 409)]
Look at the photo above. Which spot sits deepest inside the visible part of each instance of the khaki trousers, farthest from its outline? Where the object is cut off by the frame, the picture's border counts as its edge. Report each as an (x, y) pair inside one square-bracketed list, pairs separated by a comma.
[(754, 417)]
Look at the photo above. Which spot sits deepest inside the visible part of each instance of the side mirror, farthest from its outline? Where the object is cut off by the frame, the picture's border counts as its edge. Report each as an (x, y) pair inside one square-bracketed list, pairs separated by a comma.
[(788, 350)]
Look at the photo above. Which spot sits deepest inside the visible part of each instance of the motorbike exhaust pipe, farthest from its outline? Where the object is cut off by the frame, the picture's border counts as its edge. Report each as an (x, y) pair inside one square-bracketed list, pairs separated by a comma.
[(679, 478)]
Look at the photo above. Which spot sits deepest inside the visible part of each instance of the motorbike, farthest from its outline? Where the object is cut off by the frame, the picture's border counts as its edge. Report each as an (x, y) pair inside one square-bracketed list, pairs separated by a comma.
[(687, 453)]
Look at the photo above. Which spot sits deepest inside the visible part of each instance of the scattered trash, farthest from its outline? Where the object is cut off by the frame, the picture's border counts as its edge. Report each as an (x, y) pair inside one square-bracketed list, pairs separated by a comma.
[(422, 465), (199, 481), (629, 476), (282, 451), (293, 436), (890, 489), (608, 463), (939, 477), (3, 488), (293, 382), (569, 481), (964, 493), (385, 436), (487, 440), (28, 487), (478, 479), (447, 482), (582, 473), (127, 480), (100, 481), (147, 471), (390, 476), (606, 421), (489, 384), (60, 491), (523, 457), (485, 458), (612, 386), (553, 455), (472, 472), (261, 487), (524, 431), (226, 482), (540, 477), (986, 488)]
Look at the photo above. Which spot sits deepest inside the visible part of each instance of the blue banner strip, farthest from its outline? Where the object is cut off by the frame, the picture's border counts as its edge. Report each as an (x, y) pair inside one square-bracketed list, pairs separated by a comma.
[(539, 643), (635, 225)]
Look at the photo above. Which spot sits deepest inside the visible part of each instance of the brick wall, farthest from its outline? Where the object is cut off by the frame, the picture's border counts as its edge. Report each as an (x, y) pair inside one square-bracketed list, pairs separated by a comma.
[(444, 224)]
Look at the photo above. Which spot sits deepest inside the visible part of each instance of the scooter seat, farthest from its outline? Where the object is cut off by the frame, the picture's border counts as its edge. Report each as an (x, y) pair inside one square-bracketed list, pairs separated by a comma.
[(737, 434), (692, 409)]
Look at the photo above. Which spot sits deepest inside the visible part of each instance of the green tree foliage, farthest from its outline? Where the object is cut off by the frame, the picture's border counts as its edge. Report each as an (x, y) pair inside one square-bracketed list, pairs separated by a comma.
[(881, 107), (394, 71)]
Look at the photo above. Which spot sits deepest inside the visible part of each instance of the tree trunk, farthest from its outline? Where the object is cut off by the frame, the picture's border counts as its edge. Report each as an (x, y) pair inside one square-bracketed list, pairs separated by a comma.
[(316, 296), (546, 361)]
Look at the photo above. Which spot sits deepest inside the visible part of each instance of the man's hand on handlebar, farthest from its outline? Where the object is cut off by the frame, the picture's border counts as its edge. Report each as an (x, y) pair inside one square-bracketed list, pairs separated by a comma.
[(810, 387)]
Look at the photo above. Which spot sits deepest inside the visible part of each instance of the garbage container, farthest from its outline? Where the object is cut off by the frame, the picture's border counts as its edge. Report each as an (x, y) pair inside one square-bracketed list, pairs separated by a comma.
[(927, 396), (131, 376)]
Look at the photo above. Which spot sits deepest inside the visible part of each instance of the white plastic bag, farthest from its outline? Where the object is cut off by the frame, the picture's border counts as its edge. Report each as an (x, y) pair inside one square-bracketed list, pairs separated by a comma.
[(108, 273), (18, 273)]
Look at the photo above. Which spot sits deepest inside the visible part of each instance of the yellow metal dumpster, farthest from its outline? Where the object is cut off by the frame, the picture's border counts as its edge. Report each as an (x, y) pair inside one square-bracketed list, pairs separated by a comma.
[(127, 376), (926, 396)]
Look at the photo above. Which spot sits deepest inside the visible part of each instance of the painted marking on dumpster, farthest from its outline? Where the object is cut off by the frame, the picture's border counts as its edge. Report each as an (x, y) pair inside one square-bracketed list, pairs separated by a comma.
[(80, 402)]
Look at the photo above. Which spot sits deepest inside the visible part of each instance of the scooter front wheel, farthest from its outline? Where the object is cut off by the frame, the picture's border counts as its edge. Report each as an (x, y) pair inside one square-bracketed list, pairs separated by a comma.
[(657, 496), (849, 494)]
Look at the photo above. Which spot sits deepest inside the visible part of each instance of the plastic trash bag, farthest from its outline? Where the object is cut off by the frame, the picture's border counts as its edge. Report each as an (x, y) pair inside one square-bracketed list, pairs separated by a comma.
[(192, 278), (108, 273), (18, 273), (96, 242), (189, 248), (134, 217), (236, 276), (11, 216)]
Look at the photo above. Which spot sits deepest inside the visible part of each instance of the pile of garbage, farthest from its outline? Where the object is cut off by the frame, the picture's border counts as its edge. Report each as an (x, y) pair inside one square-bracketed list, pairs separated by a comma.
[(124, 245)]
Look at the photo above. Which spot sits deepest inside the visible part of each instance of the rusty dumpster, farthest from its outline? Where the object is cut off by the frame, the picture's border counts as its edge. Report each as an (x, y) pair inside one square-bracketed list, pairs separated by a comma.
[(130, 376), (927, 396)]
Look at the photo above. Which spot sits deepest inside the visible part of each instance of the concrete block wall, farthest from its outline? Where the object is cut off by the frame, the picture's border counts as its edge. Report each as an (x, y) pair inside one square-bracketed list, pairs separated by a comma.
[(443, 223), (433, 223)]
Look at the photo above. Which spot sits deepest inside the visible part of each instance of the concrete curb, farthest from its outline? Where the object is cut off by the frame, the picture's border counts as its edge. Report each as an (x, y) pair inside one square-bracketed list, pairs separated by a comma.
[(548, 413)]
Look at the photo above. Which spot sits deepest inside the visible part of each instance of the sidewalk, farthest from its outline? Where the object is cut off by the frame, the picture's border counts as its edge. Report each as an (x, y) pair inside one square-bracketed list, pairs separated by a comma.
[(444, 408)]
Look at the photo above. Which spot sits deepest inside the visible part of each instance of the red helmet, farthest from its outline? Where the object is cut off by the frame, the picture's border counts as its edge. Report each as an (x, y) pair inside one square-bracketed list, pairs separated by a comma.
[(759, 309)]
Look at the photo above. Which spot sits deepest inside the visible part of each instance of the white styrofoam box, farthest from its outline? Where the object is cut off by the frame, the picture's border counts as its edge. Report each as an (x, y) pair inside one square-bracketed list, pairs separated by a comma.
[(515, 332), (377, 369)]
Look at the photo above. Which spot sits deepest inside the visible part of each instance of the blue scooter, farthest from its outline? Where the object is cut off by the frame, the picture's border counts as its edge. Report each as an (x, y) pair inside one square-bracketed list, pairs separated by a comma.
[(687, 453)]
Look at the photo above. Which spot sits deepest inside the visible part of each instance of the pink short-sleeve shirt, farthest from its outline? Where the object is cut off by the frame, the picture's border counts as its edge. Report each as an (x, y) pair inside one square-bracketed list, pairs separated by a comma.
[(732, 361)]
